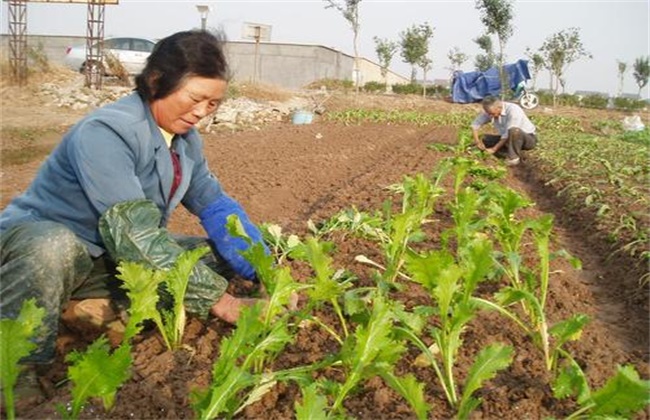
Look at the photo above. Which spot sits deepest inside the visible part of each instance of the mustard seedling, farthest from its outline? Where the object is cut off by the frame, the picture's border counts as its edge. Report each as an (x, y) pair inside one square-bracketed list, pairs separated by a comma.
[(374, 350), (451, 285), (281, 247), (143, 284), (232, 372), (15, 343), (97, 372), (624, 395), (326, 286)]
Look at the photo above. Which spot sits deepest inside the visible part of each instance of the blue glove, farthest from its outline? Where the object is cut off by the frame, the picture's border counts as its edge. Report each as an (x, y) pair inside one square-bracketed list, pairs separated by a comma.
[(214, 219)]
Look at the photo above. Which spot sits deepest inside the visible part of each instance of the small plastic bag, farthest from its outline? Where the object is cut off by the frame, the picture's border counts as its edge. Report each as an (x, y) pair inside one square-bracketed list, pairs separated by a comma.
[(633, 123)]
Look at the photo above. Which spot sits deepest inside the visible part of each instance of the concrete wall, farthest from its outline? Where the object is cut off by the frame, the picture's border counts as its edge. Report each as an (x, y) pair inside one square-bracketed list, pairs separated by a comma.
[(371, 72), (286, 65), (53, 46)]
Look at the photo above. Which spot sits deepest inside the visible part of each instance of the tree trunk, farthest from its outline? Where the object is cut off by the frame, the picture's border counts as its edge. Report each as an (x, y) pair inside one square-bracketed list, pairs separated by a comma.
[(356, 63)]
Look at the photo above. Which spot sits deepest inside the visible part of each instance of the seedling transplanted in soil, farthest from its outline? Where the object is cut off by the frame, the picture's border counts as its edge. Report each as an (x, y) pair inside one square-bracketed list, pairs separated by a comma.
[(15, 343)]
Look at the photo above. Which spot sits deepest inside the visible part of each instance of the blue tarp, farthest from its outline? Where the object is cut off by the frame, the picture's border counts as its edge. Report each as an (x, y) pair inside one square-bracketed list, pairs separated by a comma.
[(473, 86)]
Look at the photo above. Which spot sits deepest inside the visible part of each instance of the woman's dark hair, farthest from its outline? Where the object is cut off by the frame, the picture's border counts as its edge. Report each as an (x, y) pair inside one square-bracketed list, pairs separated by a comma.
[(183, 54)]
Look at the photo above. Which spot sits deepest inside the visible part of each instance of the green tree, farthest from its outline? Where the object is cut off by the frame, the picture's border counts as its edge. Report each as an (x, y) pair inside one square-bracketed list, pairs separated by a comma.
[(496, 16), (622, 67), (350, 11), (559, 51), (456, 58), (641, 72), (385, 50), (414, 43), (484, 61), (535, 64)]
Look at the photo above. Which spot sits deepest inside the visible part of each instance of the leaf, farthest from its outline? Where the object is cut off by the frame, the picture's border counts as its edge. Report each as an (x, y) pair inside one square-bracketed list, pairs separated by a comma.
[(98, 373), (569, 329), (426, 269), (313, 407), (15, 343), (265, 385), (571, 381), (372, 343), (478, 262), (285, 287), (412, 391), (622, 395), (141, 285), (177, 280), (490, 360), (228, 378)]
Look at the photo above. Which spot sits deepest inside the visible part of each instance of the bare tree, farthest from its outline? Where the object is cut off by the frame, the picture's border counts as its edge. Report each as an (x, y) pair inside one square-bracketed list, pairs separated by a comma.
[(385, 50), (350, 11), (497, 15), (414, 43), (641, 72), (622, 67)]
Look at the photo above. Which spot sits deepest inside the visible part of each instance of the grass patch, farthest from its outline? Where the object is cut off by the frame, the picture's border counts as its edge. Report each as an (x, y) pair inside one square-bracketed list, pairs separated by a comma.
[(25, 155)]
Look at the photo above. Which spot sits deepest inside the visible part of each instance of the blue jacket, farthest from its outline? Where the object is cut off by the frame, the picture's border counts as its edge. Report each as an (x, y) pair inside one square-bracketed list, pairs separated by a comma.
[(114, 154)]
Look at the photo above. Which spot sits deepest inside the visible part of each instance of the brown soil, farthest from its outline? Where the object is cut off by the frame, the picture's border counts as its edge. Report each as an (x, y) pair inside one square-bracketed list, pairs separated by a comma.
[(289, 174)]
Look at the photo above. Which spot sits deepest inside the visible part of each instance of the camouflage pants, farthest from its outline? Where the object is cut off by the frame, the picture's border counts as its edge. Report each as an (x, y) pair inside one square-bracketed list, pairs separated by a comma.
[(46, 261), (517, 141)]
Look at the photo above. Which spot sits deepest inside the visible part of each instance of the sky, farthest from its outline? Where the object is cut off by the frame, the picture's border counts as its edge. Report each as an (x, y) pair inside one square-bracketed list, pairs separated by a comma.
[(611, 30)]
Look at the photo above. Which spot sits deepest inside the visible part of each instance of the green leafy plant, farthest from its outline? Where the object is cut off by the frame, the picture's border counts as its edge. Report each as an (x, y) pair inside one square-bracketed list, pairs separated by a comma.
[(143, 284), (622, 396), (100, 371), (15, 343), (232, 372), (438, 273), (328, 285), (97, 372)]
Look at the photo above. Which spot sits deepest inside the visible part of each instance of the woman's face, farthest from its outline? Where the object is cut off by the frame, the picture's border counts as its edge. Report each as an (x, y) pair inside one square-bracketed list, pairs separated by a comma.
[(197, 97)]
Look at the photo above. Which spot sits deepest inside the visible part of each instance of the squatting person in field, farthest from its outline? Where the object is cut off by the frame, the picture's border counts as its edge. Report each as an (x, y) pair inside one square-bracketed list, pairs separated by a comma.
[(516, 132), (107, 191)]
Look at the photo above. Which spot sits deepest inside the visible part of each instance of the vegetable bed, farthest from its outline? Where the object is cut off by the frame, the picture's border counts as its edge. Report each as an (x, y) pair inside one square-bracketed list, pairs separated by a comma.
[(448, 310)]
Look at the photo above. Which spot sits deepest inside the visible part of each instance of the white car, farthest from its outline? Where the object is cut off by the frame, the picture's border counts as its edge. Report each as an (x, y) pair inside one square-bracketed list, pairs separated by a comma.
[(131, 52)]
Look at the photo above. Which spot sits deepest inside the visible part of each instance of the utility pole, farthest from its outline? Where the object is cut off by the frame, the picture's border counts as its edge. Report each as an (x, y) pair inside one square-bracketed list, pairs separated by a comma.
[(204, 10)]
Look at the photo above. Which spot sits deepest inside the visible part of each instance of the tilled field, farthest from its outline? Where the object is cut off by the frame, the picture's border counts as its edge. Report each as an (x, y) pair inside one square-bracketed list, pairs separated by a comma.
[(288, 175)]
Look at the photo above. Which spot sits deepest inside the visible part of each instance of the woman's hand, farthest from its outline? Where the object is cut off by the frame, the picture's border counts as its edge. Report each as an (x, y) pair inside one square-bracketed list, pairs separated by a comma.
[(229, 307)]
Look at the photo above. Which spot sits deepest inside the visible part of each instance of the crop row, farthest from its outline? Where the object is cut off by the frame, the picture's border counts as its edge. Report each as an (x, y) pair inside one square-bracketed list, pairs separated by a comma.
[(599, 167)]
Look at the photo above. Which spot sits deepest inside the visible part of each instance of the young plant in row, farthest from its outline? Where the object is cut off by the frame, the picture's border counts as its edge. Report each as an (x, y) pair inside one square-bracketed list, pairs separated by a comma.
[(232, 374), (327, 285), (531, 286), (144, 285), (373, 350), (239, 376), (451, 285), (16, 343), (99, 371), (396, 230), (624, 395), (281, 246)]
